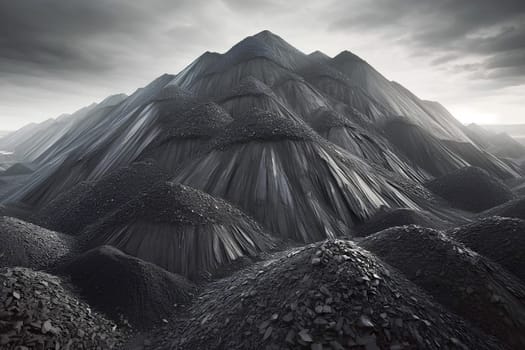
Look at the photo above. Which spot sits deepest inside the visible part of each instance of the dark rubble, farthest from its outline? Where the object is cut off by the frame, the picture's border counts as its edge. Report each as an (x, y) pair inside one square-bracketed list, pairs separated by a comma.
[(471, 286), (38, 311), (181, 229), (329, 295), (499, 239), (28, 245)]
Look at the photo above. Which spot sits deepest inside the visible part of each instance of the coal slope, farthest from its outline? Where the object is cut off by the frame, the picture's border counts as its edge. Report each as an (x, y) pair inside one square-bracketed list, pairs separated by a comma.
[(123, 286), (180, 229), (471, 189), (37, 311), (27, 245), (500, 239), (328, 295), (87, 202), (471, 286), (400, 217), (513, 209), (296, 184)]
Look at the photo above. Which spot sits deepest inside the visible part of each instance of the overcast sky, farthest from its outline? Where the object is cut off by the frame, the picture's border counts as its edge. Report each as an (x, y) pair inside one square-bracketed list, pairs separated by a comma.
[(59, 55)]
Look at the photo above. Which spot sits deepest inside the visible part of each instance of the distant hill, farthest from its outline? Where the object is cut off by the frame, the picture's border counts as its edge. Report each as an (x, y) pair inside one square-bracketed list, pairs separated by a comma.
[(517, 131)]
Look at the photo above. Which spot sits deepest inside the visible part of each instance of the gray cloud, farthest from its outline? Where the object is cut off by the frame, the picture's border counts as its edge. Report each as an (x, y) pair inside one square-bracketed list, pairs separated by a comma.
[(490, 32)]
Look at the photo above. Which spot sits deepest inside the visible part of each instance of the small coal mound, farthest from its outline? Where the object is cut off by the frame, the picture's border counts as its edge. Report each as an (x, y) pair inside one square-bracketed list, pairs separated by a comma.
[(259, 125), (471, 188), (181, 229), (249, 86), (27, 245), (203, 120), (512, 209), (325, 119), (500, 239), (17, 169), (461, 280), (121, 285), (87, 202), (329, 295), (399, 217), (37, 311)]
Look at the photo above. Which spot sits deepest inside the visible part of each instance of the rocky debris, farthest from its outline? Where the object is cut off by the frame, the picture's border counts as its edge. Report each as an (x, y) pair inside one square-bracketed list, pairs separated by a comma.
[(399, 217), (37, 311), (329, 295), (27, 245), (260, 125), (466, 283), (512, 209), (471, 189), (181, 229), (325, 119), (17, 169), (87, 202), (500, 239), (121, 285), (249, 86)]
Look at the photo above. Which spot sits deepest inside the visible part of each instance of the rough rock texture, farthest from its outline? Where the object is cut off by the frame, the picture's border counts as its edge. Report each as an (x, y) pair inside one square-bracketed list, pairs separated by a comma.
[(38, 312), (466, 283), (27, 245), (329, 295), (399, 217), (121, 285), (500, 239), (87, 202), (181, 229), (471, 189)]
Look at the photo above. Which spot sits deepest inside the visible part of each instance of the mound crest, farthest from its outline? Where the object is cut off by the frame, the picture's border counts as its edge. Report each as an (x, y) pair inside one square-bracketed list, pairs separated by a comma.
[(87, 202), (27, 245), (39, 312), (471, 189), (512, 209), (500, 239), (399, 217), (180, 229), (328, 295), (260, 125), (466, 283), (119, 284)]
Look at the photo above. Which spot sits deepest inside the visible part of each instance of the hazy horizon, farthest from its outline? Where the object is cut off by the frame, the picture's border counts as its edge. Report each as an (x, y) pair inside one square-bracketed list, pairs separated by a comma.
[(56, 58)]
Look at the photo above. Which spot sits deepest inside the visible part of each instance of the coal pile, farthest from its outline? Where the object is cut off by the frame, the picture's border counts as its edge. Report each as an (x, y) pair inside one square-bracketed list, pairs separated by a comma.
[(471, 189), (27, 245), (37, 311), (329, 295), (512, 209), (295, 183), (87, 202), (469, 285), (17, 169), (180, 229), (500, 239), (187, 135), (399, 217), (121, 285)]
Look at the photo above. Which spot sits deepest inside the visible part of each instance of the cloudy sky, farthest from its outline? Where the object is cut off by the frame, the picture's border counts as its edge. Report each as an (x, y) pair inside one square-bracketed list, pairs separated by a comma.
[(59, 55)]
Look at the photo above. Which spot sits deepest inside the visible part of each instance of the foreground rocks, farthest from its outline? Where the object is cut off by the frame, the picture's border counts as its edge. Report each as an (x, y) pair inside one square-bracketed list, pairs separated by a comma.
[(329, 295), (38, 312)]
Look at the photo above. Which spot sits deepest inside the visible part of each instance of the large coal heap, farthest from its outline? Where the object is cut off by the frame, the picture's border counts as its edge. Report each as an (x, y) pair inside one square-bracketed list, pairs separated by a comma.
[(461, 280), (28, 245), (180, 229), (329, 294), (500, 239), (121, 285), (88, 202), (38, 311), (471, 189)]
